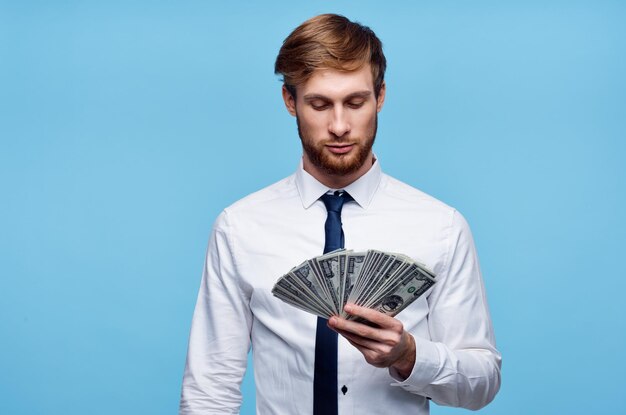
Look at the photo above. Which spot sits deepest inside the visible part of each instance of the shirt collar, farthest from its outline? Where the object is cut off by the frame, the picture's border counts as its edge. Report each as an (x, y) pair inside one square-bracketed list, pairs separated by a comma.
[(362, 190)]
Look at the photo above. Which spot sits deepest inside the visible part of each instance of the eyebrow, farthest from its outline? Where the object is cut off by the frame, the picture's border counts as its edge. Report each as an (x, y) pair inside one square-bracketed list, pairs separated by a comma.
[(358, 94)]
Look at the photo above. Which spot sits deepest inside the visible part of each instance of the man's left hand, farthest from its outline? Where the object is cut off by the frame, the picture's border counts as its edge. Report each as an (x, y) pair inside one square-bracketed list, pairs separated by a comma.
[(386, 344)]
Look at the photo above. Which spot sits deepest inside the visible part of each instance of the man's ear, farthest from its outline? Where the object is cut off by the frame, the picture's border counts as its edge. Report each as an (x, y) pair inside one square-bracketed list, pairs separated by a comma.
[(290, 101), (381, 97)]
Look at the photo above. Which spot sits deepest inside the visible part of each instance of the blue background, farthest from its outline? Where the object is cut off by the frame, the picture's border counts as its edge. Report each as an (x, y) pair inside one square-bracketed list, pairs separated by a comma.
[(127, 126)]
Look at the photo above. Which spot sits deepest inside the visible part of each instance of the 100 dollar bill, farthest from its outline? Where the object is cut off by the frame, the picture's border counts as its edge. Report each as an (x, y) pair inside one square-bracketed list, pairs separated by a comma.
[(383, 281)]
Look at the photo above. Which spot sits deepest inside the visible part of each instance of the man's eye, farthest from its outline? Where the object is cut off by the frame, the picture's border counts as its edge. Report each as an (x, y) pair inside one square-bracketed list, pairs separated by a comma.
[(355, 104), (319, 106)]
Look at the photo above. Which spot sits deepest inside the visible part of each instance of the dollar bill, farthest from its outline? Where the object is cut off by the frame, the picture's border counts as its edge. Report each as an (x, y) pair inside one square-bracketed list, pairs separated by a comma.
[(289, 286), (407, 290), (384, 281), (354, 265)]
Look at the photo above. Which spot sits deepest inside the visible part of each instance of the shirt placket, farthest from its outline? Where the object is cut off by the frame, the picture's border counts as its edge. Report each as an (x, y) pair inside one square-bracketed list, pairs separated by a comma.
[(345, 377)]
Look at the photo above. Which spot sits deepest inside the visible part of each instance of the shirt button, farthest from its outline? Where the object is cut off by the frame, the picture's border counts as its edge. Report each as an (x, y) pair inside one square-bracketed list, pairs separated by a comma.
[(344, 389)]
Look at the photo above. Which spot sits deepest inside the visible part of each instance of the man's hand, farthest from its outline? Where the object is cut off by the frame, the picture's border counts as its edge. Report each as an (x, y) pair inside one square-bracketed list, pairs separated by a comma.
[(386, 344)]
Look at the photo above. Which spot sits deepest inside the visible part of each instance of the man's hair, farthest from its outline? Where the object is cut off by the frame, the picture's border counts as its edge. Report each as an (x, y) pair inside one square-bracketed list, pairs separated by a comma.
[(329, 41)]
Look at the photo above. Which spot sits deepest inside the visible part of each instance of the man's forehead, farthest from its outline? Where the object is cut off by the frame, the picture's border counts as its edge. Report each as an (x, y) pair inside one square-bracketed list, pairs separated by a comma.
[(333, 83)]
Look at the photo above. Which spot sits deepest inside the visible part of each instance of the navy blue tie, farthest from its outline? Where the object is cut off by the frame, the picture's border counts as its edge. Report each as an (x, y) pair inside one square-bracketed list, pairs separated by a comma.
[(325, 380)]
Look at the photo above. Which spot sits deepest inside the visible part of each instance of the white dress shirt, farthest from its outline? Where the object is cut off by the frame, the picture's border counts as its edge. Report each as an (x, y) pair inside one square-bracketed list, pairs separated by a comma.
[(264, 235)]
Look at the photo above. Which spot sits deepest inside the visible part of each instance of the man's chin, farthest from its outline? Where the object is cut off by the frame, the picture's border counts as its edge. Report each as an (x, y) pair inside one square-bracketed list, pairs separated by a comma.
[(340, 165)]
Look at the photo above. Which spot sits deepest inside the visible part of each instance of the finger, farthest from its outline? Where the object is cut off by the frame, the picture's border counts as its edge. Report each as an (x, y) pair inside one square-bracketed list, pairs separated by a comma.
[(363, 330), (373, 357), (376, 317), (353, 327), (362, 342)]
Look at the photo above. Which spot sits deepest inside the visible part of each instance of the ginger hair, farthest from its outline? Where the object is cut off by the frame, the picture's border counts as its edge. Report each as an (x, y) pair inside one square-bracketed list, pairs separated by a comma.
[(329, 41)]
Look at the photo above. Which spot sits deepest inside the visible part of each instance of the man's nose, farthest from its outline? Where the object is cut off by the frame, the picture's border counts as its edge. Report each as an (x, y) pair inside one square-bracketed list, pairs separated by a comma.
[(339, 124)]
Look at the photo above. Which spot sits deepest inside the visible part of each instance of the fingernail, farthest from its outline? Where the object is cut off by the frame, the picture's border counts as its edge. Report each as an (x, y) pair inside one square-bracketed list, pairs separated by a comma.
[(332, 321), (348, 308)]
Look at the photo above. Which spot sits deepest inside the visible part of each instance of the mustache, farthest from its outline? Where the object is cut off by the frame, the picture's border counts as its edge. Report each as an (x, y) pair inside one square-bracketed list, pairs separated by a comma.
[(337, 140)]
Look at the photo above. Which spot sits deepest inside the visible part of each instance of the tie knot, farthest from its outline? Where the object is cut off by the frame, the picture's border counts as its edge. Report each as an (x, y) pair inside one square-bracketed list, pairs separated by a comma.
[(334, 202)]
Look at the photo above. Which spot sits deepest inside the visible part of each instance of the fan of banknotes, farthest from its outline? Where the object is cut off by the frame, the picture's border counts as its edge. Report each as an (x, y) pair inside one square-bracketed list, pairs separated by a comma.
[(383, 281)]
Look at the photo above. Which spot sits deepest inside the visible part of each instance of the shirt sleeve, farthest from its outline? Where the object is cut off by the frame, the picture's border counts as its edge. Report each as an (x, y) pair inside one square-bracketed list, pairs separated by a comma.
[(220, 333), (459, 365)]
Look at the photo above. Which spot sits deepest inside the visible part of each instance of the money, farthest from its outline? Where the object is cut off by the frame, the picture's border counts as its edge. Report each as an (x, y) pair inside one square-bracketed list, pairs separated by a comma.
[(383, 281)]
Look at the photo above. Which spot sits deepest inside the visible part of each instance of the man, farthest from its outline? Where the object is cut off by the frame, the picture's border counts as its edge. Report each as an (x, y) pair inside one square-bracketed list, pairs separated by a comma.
[(441, 347)]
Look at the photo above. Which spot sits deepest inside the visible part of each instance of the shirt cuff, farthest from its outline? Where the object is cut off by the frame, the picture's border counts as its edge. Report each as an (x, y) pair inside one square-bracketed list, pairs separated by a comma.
[(427, 366)]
